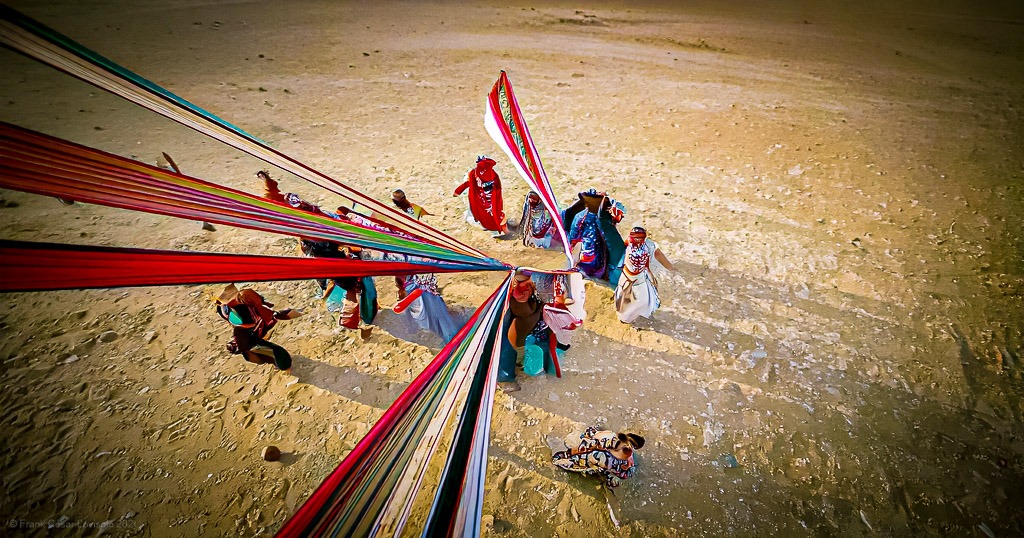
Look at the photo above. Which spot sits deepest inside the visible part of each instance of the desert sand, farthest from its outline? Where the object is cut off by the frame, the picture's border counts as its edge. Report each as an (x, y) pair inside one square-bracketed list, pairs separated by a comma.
[(838, 184)]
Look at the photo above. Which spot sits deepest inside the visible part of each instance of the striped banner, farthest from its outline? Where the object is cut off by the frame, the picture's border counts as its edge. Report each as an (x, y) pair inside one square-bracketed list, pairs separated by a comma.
[(29, 266), (505, 123), (41, 164)]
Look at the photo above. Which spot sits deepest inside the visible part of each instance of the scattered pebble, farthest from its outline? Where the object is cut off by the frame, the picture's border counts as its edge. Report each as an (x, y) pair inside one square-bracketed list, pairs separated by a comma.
[(271, 453)]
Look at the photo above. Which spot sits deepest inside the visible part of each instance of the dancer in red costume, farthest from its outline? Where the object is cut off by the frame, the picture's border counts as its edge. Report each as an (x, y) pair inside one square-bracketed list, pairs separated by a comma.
[(485, 203)]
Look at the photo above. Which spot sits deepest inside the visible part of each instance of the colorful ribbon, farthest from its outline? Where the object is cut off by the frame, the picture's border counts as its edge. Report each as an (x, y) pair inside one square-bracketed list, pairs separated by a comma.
[(41, 164), (37, 41), (505, 123), (26, 266)]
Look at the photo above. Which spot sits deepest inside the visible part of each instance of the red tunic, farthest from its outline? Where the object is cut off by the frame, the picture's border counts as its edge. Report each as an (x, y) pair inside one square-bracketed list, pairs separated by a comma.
[(485, 204)]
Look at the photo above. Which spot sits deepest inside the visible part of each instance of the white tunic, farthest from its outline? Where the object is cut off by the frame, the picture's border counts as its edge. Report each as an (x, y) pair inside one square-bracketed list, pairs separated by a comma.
[(637, 292)]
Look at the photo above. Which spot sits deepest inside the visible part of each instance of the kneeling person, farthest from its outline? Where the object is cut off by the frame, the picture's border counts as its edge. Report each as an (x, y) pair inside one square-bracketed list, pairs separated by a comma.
[(604, 453)]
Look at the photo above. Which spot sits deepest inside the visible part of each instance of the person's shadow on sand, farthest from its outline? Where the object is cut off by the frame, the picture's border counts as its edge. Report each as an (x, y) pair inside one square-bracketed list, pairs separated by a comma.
[(347, 382)]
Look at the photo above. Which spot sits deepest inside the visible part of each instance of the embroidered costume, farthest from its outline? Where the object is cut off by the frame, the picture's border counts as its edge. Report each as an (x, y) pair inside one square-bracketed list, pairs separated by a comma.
[(429, 310), (537, 332), (591, 224), (537, 225), (637, 291), (603, 453), (401, 202)]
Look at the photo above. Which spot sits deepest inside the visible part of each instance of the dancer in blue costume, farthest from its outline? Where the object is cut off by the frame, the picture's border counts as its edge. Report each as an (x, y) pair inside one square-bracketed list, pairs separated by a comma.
[(590, 226), (429, 310), (417, 212)]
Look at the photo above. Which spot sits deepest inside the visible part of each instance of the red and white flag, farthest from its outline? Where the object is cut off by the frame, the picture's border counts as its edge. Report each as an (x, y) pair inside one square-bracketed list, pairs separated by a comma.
[(506, 125)]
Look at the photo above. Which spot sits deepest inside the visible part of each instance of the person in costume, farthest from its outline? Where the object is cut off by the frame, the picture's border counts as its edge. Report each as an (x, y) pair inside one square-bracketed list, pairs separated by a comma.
[(602, 452), (485, 202), (252, 318), (536, 332), (524, 312), (415, 211), (537, 225), (637, 291), (428, 309), (313, 248), (353, 298), (590, 227), (401, 202)]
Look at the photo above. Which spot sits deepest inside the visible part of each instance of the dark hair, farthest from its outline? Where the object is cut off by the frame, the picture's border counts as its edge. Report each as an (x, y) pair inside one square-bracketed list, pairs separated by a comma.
[(635, 440)]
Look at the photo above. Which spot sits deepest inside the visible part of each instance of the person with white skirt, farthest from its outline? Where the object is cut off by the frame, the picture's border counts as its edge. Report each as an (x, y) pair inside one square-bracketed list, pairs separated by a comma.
[(637, 291)]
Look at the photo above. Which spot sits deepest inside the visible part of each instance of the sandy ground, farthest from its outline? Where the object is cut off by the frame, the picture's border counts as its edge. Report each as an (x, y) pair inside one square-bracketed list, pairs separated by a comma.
[(838, 185)]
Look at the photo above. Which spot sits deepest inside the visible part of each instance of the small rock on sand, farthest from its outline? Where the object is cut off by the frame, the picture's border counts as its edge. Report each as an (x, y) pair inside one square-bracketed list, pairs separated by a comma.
[(107, 336), (271, 453)]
